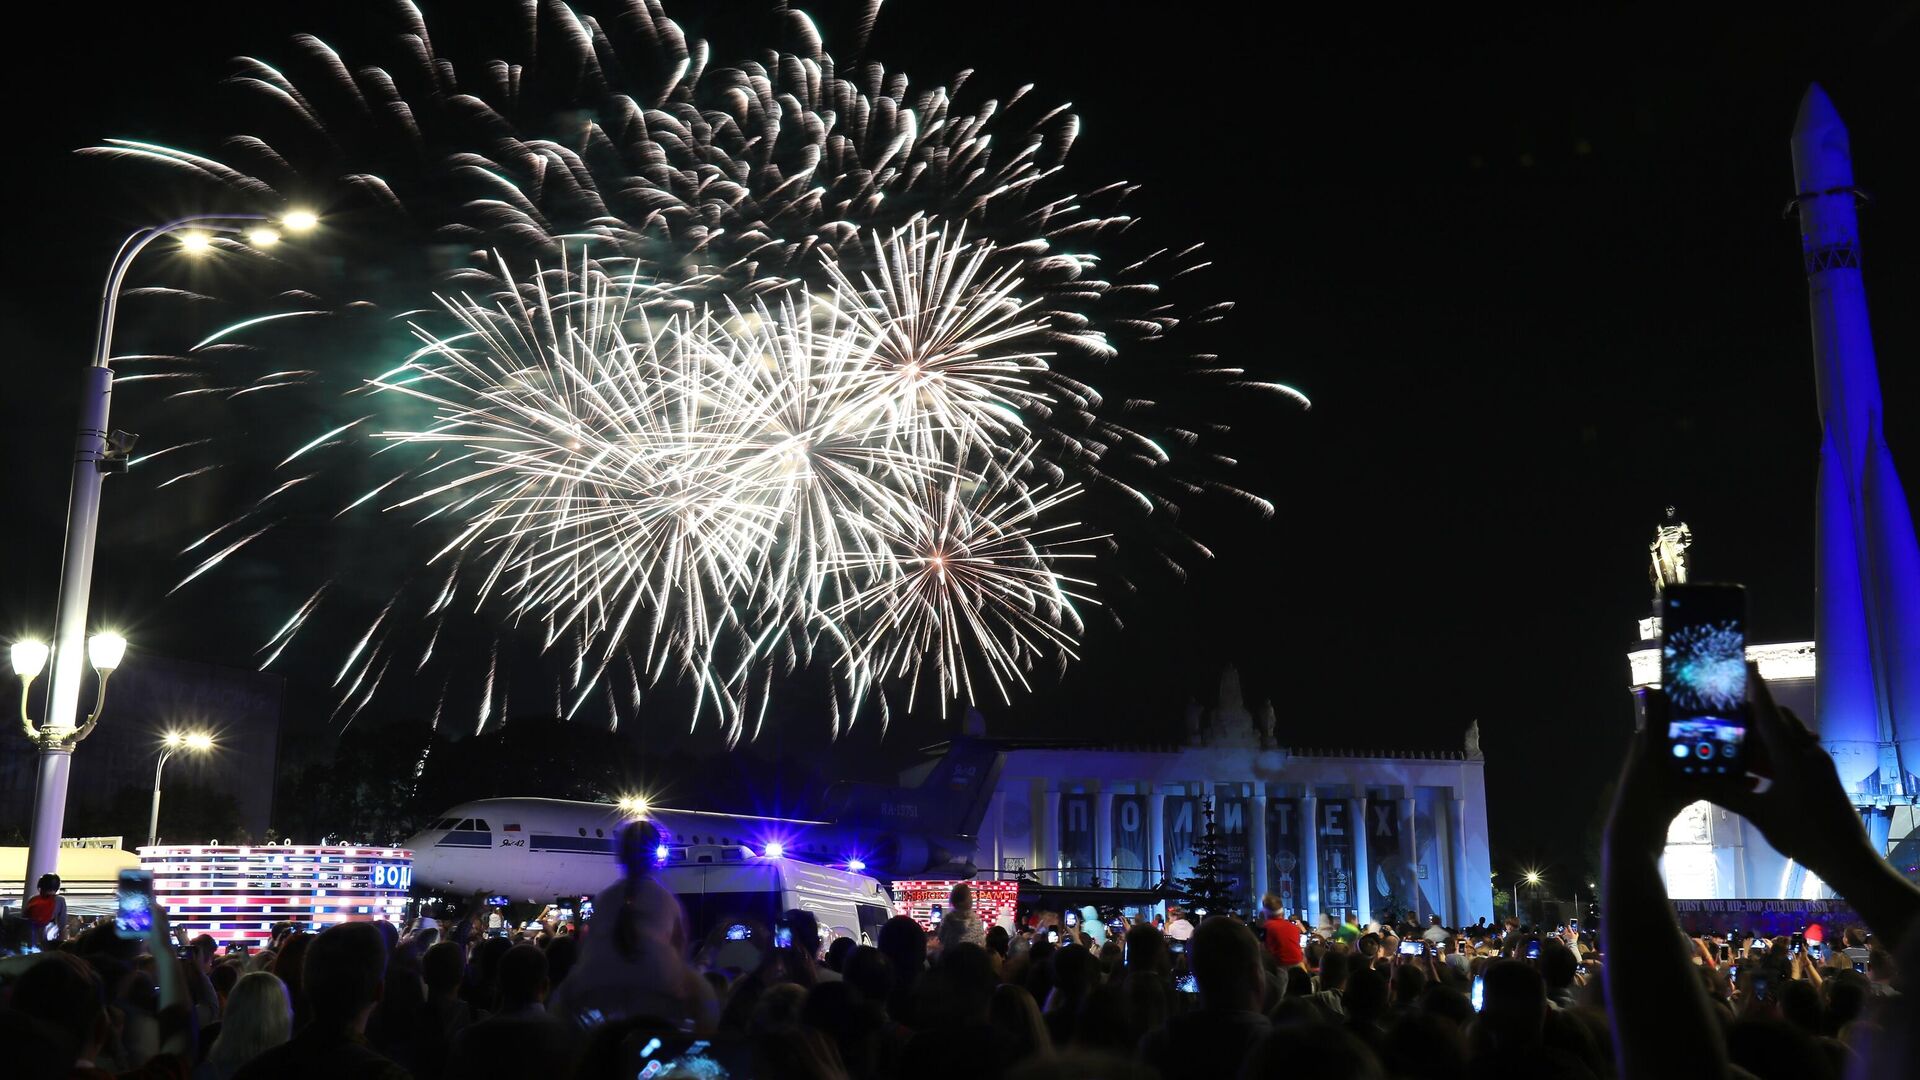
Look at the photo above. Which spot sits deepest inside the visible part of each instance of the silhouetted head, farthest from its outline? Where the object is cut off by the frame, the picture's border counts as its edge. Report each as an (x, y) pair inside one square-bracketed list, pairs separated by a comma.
[(1226, 964)]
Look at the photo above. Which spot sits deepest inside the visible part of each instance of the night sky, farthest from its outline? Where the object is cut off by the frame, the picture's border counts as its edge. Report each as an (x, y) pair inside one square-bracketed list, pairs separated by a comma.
[(1534, 274)]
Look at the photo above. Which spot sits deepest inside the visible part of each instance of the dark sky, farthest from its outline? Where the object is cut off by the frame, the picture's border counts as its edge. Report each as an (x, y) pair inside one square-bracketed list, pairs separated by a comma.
[(1532, 271)]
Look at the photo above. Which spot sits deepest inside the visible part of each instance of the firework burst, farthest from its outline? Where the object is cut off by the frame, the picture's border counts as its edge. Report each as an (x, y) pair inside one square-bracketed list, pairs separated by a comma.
[(734, 490), (813, 371)]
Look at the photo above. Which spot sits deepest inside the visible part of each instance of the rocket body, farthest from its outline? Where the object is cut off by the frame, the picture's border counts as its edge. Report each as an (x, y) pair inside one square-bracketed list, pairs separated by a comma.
[(1867, 630)]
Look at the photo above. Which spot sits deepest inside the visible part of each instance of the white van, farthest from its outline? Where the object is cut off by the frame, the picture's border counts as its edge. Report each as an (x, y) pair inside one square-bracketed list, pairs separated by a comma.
[(729, 886)]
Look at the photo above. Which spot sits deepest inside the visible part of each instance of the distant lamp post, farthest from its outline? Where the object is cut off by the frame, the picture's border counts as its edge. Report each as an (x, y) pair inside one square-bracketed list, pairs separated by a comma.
[(98, 451), (197, 742), (1532, 878)]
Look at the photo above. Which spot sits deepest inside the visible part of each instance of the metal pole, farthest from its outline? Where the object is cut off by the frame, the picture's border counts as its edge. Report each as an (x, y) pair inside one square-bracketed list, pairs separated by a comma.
[(70, 626), (76, 566), (153, 822)]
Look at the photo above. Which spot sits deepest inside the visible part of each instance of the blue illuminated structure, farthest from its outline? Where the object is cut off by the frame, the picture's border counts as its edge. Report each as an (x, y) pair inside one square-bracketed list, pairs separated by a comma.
[(1868, 564)]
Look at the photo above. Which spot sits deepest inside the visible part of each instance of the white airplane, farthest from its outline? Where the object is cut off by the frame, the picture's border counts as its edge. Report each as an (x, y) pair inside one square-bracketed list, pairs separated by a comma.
[(541, 849)]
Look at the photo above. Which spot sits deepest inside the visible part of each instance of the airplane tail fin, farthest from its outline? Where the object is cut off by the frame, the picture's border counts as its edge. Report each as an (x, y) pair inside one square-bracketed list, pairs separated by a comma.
[(947, 796)]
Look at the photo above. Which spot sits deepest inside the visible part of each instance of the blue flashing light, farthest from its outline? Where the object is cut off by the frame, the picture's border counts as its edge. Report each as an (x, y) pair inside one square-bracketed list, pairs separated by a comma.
[(856, 865), (660, 853), (776, 849)]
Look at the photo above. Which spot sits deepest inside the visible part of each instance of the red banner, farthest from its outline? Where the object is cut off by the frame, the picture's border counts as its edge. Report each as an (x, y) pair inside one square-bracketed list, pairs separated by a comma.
[(994, 901)]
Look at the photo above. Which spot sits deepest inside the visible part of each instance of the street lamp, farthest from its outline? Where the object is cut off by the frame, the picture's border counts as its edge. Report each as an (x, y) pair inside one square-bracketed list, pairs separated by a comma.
[(98, 451), (1532, 878), (199, 743)]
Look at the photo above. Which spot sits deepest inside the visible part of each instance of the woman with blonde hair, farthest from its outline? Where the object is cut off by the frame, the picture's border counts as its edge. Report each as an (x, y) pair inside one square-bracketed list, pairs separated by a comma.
[(259, 1017)]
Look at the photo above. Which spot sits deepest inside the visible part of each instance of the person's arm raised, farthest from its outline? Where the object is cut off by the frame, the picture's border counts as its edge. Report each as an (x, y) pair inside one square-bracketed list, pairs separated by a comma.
[(1663, 1023), (179, 1032), (1807, 816)]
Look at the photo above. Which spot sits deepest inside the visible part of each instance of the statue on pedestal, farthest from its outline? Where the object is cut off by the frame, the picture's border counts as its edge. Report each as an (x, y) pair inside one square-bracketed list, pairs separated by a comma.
[(1669, 551), (1473, 741)]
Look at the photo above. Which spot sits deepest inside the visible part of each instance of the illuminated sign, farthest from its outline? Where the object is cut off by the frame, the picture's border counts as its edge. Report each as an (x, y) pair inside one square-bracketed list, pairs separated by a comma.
[(238, 893), (996, 902)]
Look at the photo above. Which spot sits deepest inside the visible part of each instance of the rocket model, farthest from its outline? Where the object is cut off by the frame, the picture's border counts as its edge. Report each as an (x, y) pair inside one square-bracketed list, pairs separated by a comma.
[(1867, 633)]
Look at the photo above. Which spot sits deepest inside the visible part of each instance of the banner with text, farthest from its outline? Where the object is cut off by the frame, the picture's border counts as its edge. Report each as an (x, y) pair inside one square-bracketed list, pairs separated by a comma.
[(1285, 877), (1076, 839), (1337, 886), (1183, 824), (1767, 918), (1392, 887)]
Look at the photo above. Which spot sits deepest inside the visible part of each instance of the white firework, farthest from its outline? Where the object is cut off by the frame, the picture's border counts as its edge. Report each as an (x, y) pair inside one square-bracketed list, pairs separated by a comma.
[(732, 490)]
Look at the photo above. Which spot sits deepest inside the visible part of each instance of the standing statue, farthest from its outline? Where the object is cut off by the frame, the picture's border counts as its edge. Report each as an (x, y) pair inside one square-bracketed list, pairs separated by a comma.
[(1265, 720), (1669, 551), (1473, 741)]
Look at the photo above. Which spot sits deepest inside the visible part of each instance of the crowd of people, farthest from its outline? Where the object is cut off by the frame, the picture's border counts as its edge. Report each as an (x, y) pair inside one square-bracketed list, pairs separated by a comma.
[(631, 993)]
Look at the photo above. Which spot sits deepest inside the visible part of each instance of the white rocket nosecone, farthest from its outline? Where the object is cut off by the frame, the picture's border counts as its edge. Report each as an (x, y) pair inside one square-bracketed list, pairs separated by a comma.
[(1868, 565)]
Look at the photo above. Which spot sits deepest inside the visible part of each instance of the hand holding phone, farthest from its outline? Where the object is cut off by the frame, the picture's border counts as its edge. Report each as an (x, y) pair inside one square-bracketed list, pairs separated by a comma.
[(1703, 675), (133, 905)]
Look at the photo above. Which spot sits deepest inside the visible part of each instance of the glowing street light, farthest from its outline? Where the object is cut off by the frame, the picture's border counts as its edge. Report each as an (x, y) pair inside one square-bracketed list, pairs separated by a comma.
[(105, 651), (98, 451), (198, 742)]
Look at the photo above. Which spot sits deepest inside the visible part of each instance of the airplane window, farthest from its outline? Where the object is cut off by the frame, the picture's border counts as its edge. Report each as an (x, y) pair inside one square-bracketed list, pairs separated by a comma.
[(598, 832), (482, 825), (464, 826), (583, 831)]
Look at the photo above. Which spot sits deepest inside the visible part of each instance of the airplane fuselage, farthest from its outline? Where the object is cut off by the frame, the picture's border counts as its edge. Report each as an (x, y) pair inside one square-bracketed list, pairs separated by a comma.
[(540, 849)]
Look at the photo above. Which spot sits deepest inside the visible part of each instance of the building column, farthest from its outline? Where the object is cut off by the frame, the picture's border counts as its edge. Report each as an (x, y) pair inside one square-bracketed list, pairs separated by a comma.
[(1362, 869), (1257, 842), (1156, 835), (1310, 858), (1410, 848), (1103, 836), (1037, 825), (1446, 868), (996, 813), (1053, 833), (1457, 852)]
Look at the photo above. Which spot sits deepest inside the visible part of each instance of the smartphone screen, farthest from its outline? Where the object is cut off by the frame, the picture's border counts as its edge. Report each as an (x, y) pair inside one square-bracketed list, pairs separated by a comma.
[(1703, 670), (1187, 984), (1479, 992), (1073, 919), (1412, 948), (782, 935), (1053, 936), (938, 912), (1533, 950), (133, 911)]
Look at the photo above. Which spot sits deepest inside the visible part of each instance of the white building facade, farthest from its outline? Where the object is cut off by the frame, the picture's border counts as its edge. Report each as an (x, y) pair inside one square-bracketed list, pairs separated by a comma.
[(1327, 831)]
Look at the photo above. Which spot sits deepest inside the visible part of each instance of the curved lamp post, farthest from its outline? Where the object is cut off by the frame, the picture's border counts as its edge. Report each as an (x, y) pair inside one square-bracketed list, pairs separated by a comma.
[(97, 452), (199, 743)]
